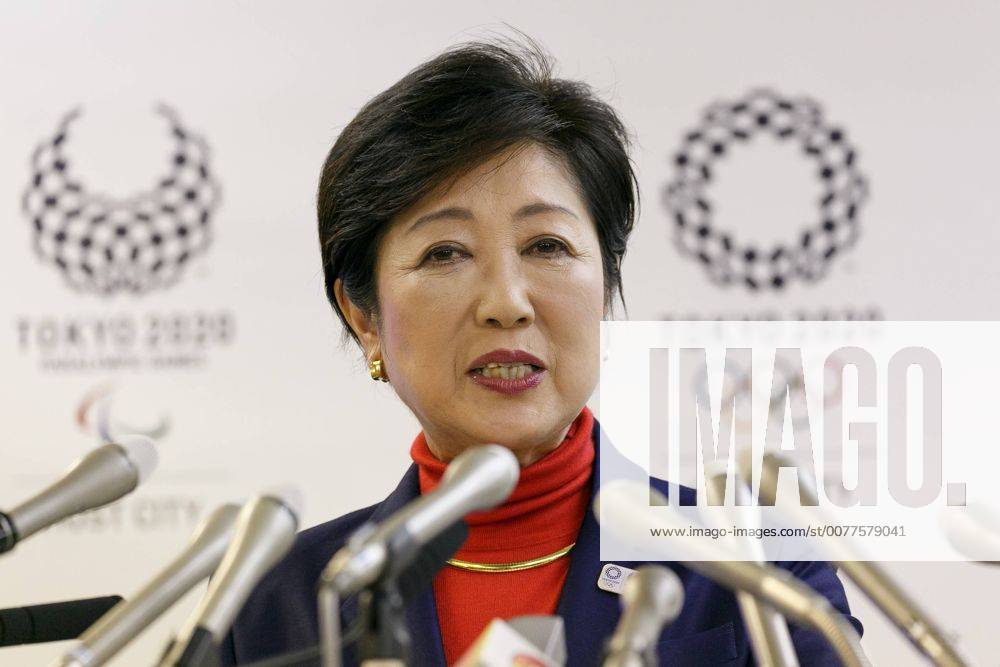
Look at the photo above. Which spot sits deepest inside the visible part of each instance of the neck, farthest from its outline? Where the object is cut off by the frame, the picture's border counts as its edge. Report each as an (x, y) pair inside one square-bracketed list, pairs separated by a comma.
[(446, 450)]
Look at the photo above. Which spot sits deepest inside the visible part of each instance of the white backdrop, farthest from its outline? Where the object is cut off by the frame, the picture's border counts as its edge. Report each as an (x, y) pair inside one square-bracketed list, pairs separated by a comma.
[(237, 365)]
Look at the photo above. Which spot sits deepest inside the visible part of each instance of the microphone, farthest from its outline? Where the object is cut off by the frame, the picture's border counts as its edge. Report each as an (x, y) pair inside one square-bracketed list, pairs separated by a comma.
[(479, 478), (974, 531), (872, 579), (52, 622), (412, 581), (546, 633), (265, 530), (99, 478), (766, 628), (430, 559), (626, 505), (119, 626), (652, 598), (524, 640)]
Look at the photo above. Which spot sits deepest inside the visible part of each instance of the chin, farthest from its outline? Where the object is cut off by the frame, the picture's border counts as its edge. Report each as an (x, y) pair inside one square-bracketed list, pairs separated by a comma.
[(512, 432)]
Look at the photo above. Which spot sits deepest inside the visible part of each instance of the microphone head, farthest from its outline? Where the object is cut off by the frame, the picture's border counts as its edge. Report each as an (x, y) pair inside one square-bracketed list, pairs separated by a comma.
[(973, 531), (663, 588), (288, 495), (497, 461), (141, 452)]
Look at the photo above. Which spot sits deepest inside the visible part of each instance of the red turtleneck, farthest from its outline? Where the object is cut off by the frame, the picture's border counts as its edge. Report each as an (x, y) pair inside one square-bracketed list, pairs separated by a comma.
[(543, 515)]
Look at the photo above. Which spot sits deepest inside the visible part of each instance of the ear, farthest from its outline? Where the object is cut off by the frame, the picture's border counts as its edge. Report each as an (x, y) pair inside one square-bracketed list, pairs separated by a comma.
[(360, 322)]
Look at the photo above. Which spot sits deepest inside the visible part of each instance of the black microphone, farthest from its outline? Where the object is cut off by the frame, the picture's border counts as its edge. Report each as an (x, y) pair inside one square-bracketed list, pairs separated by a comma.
[(416, 577), (383, 631), (479, 478), (430, 560), (52, 622)]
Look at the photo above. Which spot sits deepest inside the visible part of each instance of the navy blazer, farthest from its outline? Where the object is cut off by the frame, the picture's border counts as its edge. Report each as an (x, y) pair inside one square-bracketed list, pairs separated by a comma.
[(280, 616)]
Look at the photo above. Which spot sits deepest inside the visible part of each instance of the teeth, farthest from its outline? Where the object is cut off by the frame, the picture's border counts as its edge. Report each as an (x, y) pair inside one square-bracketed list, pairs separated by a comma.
[(507, 371)]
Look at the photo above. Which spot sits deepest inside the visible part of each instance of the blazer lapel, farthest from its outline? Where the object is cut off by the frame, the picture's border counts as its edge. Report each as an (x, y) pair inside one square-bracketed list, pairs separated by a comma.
[(589, 613), (421, 614)]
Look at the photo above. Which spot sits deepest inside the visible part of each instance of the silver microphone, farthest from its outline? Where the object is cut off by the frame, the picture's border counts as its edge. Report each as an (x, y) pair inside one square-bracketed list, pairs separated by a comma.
[(128, 618), (265, 530), (626, 507), (99, 478), (768, 632), (974, 531), (652, 598), (872, 579), (477, 479)]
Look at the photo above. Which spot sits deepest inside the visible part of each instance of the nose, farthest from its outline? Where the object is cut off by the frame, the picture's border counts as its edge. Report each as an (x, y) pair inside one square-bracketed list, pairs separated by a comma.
[(505, 298)]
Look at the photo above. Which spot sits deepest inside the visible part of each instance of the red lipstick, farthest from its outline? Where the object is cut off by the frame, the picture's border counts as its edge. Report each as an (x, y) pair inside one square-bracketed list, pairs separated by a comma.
[(503, 385)]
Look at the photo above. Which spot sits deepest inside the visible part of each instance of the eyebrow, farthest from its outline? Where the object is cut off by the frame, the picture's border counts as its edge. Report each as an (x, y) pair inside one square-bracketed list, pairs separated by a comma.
[(458, 213)]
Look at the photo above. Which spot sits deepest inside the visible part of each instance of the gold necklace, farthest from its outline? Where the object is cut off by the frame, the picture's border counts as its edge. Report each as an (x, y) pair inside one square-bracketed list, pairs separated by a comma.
[(510, 567)]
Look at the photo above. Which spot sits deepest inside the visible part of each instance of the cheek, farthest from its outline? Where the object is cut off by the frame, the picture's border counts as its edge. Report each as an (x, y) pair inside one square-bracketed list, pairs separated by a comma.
[(417, 327), (573, 312)]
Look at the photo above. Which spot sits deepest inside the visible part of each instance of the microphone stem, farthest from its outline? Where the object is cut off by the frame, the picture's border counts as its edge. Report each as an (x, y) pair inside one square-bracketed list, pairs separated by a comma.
[(792, 598), (329, 626), (841, 635), (768, 632), (903, 612)]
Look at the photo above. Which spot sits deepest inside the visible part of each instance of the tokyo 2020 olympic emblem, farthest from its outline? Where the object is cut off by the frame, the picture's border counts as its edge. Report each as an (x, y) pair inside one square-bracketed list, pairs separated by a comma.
[(729, 259), (108, 245)]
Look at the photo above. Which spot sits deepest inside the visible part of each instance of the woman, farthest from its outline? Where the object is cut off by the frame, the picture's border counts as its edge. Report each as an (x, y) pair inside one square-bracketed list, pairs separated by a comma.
[(473, 218)]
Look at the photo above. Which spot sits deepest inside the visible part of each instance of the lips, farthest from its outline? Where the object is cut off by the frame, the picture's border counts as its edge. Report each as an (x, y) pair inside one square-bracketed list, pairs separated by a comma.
[(502, 356)]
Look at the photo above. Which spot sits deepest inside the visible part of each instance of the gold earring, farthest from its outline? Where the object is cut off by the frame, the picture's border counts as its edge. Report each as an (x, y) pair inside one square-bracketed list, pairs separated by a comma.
[(375, 368)]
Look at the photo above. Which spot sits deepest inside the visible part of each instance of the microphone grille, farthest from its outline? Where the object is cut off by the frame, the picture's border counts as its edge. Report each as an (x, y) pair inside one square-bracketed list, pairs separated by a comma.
[(141, 453)]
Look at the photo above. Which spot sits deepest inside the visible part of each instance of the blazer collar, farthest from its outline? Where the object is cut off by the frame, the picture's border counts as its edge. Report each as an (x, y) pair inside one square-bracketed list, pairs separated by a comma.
[(585, 609), (588, 612)]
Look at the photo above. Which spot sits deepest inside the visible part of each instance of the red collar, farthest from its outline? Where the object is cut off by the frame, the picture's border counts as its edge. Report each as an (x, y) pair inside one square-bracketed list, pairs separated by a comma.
[(544, 512)]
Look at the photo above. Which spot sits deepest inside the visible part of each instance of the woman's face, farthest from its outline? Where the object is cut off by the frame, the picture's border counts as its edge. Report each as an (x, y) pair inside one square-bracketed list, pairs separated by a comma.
[(507, 258)]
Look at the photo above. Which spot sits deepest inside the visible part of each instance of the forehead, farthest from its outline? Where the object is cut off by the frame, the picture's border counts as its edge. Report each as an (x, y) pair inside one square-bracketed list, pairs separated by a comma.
[(505, 181)]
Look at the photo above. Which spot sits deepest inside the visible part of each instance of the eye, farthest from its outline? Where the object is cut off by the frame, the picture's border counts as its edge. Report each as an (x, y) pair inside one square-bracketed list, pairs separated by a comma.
[(550, 247), (443, 254)]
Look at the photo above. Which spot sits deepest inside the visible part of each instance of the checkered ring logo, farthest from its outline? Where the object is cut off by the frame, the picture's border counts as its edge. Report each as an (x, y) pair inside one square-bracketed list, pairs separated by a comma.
[(108, 245), (728, 125)]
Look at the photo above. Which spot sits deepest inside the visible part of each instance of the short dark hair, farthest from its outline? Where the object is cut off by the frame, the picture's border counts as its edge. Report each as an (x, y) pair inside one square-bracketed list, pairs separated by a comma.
[(450, 114)]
